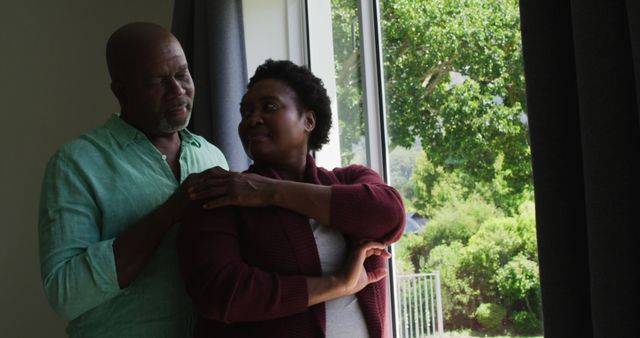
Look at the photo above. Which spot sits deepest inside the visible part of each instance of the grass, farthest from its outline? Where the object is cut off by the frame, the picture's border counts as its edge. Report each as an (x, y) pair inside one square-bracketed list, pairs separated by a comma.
[(471, 334)]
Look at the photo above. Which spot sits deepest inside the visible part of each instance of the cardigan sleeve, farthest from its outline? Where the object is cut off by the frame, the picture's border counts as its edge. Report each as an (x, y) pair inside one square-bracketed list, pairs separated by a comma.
[(364, 207), (222, 286)]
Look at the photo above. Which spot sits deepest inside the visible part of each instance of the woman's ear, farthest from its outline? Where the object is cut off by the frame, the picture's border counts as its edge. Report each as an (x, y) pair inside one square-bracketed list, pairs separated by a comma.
[(309, 120)]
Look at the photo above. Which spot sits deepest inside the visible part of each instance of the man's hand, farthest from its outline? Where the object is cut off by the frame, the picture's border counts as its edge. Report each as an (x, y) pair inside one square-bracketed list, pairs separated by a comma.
[(134, 247), (179, 200), (221, 187)]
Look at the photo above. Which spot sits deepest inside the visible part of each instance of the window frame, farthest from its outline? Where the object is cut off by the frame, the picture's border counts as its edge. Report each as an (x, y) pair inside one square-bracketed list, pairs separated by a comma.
[(374, 106)]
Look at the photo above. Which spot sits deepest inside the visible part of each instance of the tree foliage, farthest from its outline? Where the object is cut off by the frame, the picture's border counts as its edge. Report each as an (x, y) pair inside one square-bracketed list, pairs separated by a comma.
[(471, 122), (490, 316), (453, 79), (483, 258), (454, 85), (346, 47)]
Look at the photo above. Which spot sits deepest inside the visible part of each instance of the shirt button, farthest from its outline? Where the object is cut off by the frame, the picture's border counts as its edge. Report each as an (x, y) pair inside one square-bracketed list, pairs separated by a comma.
[(164, 157)]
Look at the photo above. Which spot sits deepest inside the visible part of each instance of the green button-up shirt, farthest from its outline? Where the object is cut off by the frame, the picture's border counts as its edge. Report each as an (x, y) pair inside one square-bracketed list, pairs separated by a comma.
[(94, 188)]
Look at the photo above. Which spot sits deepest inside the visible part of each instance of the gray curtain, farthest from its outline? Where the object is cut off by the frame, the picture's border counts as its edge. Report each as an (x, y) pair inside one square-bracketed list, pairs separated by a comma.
[(582, 67), (211, 33)]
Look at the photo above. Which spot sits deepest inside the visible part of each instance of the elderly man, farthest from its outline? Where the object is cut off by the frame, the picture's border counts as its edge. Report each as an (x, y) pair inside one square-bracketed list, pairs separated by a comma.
[(111, 198)]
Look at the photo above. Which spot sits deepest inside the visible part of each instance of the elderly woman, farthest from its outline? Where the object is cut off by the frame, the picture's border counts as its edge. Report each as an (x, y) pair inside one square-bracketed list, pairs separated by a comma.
[(288, 249)]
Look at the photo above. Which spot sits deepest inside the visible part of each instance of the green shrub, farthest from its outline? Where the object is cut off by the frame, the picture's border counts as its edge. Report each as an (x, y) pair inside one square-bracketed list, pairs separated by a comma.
[(525, 322), (457, 222), (488, 250), (490, 316), (458, 298), (518, 282), (410, 253), (482, 257)]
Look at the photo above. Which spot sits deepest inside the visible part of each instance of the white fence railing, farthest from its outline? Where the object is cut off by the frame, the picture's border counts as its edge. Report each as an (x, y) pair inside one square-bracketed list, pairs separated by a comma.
[(419, 305)]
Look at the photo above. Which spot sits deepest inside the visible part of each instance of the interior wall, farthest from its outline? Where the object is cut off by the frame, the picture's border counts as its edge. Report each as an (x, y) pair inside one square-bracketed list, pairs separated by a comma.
[(265, 31), (276, 29), (54, 87)]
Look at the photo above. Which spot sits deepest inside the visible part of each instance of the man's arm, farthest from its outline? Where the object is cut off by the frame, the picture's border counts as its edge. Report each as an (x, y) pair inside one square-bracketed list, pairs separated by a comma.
[(79, 269), (77, 266), (134, 247)]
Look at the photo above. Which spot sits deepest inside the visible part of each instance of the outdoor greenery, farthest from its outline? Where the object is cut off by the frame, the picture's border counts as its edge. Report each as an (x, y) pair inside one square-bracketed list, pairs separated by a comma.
[(458, 134)]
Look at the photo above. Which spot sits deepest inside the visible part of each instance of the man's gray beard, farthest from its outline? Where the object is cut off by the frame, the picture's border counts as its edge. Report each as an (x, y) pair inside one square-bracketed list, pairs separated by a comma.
[(165, 127)]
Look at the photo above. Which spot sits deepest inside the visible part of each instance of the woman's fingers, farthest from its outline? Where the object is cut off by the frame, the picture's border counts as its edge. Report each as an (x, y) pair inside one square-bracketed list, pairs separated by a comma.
[(377, 274), (373, 248), (207, 190), (356, 275), (231, 188)]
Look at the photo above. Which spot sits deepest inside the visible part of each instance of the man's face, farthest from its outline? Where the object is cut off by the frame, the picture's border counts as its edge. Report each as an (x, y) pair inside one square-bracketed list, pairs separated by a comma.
[(157, 91)]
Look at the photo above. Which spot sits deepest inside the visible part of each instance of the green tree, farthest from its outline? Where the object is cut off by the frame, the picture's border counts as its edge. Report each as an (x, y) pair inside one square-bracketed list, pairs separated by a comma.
[(403, 164), (454, 81), (346, 50), (466, 124)]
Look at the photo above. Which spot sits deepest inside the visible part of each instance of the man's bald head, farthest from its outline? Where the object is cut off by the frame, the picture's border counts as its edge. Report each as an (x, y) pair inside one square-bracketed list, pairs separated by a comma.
[(130, 44), (150, 78)]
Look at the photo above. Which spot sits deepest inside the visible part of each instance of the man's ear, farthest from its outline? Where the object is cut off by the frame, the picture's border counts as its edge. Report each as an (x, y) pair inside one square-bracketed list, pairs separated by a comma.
[(117, 88), (309, 120)]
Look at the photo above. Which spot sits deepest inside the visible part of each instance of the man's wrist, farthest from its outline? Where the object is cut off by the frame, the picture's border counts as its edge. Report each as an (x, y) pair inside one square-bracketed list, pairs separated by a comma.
[(171, 210)]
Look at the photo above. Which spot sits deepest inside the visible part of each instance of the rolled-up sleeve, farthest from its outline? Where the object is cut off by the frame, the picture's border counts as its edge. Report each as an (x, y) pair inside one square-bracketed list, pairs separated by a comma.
[(77, 267), (364, 207)]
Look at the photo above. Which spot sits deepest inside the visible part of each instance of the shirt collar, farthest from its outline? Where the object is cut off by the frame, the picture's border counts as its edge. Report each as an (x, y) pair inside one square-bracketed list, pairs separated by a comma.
[(126, 134)]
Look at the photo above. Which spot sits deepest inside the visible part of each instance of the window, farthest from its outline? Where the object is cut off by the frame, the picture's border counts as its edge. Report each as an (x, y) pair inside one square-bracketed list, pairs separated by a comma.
[(430, 93)]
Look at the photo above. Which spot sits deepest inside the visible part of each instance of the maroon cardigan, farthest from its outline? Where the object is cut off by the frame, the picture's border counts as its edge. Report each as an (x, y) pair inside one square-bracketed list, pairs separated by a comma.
[(245, 268)]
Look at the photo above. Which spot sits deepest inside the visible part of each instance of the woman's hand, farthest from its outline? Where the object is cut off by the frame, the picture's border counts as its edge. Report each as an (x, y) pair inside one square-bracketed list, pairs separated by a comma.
[(354, 277), (222, 187), (351, 279), (219, 187)]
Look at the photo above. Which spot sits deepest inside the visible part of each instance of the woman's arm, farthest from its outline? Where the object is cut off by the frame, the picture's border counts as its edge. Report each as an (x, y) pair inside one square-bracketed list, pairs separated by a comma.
[(351, 279), (253, 190), (363, 206), (225, 288)]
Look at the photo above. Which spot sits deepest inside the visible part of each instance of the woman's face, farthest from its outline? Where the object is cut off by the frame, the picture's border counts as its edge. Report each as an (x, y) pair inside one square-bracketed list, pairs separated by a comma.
[(272, 128)]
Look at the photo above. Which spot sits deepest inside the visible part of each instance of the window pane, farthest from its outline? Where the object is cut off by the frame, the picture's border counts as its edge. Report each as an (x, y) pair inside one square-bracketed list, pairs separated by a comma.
[(347, 56), (459, 154)]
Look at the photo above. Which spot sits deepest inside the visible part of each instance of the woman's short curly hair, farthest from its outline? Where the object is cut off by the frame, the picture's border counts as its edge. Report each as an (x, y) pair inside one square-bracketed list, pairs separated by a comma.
[(309, 89)]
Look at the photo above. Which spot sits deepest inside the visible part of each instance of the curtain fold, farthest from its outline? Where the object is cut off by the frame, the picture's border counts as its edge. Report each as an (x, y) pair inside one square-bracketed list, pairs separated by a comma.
[(582, 71), (211, 33)]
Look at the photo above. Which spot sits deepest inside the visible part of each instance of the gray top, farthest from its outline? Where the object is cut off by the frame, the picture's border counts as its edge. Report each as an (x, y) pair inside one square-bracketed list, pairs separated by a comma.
[(344, 316)]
